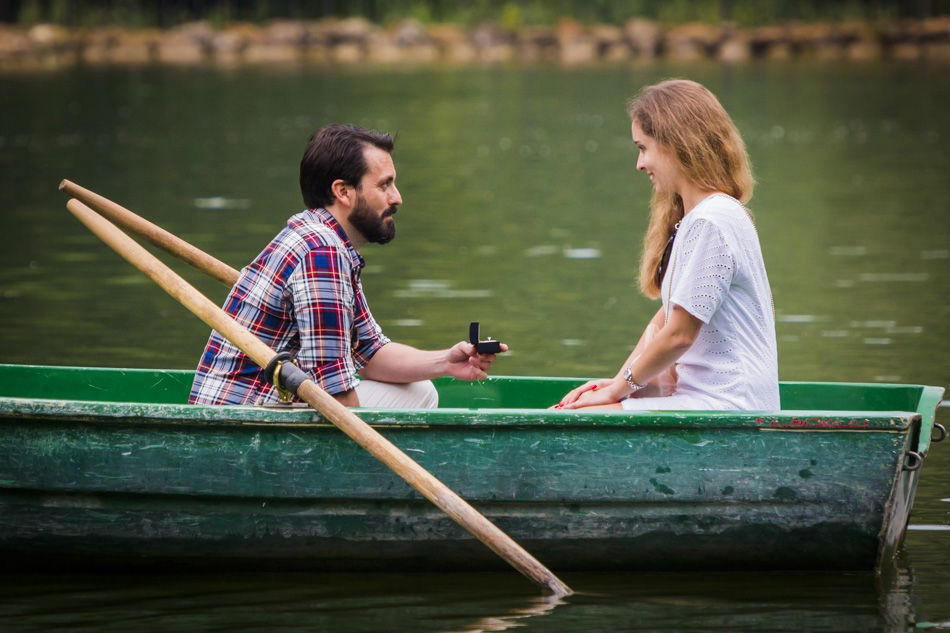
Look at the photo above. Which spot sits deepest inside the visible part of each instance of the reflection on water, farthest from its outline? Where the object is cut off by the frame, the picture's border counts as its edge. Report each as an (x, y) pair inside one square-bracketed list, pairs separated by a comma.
[(219, 202), (439, 288), (472, 603), (515, 617)]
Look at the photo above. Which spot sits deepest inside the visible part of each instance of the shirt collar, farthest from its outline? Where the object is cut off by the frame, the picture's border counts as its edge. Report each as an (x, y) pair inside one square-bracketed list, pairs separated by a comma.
[(327, 218)]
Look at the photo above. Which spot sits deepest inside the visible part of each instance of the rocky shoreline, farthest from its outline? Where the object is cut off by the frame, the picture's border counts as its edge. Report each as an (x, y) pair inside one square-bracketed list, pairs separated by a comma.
[(355, 41)]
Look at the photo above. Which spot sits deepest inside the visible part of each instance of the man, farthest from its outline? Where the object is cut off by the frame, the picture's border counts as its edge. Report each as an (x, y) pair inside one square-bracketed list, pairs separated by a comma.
[(302, 293)]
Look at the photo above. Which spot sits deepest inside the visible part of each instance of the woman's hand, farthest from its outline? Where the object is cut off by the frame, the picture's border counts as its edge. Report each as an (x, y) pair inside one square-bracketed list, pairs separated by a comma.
[(592, 392)]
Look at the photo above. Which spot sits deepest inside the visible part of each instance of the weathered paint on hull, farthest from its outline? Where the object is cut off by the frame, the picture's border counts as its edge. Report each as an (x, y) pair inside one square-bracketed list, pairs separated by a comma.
[(108, 533), (94, 483)]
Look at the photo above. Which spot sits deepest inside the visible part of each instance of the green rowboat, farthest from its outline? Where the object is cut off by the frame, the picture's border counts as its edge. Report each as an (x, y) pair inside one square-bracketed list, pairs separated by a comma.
[(105, 468)]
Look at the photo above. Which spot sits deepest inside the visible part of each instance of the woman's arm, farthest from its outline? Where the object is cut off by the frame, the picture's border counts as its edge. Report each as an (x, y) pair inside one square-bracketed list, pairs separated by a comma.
[(672, 340), (649, 332)]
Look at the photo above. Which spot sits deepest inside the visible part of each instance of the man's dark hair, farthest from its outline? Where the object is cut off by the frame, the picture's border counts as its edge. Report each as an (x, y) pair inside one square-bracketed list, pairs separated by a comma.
[(335, 152)]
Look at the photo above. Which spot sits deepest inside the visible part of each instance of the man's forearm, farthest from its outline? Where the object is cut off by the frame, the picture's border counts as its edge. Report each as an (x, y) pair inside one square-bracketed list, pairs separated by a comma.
[(395, 362)]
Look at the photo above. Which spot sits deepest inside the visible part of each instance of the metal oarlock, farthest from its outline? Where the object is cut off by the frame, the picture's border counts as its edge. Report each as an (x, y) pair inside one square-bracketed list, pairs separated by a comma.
[(943, 433), (913, 460)]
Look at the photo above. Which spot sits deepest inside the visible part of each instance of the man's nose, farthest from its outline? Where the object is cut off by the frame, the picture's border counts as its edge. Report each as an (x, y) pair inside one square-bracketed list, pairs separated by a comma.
[(396, 197)]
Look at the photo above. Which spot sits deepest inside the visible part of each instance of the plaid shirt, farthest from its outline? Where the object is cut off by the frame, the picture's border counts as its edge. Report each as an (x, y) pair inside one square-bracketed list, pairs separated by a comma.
[(302, 295)]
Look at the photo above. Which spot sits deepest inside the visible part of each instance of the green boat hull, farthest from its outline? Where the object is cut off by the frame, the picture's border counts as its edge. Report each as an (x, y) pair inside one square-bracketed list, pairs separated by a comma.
[(106, 468)]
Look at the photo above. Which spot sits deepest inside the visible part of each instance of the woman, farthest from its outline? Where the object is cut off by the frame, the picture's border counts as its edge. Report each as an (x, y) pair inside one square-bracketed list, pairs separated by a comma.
[(712, 343)]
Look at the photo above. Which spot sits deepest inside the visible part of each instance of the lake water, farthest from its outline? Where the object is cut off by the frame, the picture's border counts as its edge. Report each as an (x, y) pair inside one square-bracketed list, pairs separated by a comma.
[(523, 210)]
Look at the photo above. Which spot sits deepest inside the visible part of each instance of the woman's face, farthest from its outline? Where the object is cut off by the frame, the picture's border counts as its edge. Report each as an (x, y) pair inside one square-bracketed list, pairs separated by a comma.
[(657, 161)]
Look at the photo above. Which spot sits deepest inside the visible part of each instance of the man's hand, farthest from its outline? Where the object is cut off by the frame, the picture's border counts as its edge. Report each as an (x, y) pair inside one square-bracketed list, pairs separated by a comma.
[(464, 363)]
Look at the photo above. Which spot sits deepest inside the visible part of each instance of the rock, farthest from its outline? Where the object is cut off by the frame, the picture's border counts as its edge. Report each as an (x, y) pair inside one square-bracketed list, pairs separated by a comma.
[(610, 41), (53, 46), (348, 53), (14, 41), (320, 32), (358, 30), (864, 50), (736, 48), (97, 43), (50, 36), (386, 51), (643, 37), (935, 29), (17, 50), (855, 30), (355, 40), (575, 44), (409, 33), (860, 40), (763, 38), (895, 32), (493, 43), (781, 51), (537, 43), (906, 51), (178, 49), (453, 43), (692, 41), (821, 40), (937, 50), (227, 47), (577, 52), (135, 47), (319, 41), (406, 42), (280, 42), (349, 40), (200, 31), (189, 43), (286, 33), (935, 38)]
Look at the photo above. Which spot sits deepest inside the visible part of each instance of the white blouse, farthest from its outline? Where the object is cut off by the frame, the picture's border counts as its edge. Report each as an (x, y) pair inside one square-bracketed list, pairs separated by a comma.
[(717, 274)]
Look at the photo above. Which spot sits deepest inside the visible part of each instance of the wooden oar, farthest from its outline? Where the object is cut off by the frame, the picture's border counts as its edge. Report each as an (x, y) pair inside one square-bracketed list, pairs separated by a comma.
[(364, 435), (153, 233)]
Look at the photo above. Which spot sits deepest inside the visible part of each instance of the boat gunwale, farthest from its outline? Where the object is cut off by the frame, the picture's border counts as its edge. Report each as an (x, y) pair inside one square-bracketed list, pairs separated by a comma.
[(78, 406), (468, 418)]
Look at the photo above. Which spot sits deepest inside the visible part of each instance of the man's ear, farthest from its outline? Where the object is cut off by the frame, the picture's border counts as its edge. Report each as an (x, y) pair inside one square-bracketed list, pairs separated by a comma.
[(341, 192)]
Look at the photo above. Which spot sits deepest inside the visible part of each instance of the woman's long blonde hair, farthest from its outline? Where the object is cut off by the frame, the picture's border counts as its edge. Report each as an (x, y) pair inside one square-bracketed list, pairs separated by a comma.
[(686, 118)]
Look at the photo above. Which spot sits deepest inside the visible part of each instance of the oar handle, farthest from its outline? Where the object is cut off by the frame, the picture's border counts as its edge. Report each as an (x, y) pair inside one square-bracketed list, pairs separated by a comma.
[(153, 233), (377, 445)]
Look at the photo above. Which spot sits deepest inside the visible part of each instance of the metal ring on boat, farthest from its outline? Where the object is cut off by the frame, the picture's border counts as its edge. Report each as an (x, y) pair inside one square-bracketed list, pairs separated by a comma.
[(915, 461), (943, 433)]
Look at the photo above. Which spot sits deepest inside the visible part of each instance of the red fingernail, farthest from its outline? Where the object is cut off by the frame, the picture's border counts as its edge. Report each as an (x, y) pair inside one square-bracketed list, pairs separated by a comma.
[(594, 388)]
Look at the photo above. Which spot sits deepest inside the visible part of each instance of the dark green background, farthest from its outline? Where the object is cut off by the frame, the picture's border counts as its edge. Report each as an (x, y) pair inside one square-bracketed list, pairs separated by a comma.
[(522, 210)]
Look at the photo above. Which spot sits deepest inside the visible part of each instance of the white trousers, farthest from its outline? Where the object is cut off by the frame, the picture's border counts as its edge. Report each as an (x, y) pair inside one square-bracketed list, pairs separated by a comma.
[(390, 395)]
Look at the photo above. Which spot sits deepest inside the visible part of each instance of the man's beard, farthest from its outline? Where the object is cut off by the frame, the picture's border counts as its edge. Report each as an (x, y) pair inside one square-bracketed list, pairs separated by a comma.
[(378, 229)]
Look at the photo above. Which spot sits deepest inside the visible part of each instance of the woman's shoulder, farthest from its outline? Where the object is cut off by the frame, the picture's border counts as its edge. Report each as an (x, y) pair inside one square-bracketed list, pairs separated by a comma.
[(719, 204), (721, 211)]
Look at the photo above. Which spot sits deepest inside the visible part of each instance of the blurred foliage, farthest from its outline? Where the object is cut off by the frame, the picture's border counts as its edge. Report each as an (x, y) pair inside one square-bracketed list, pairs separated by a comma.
[(510, 13)]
